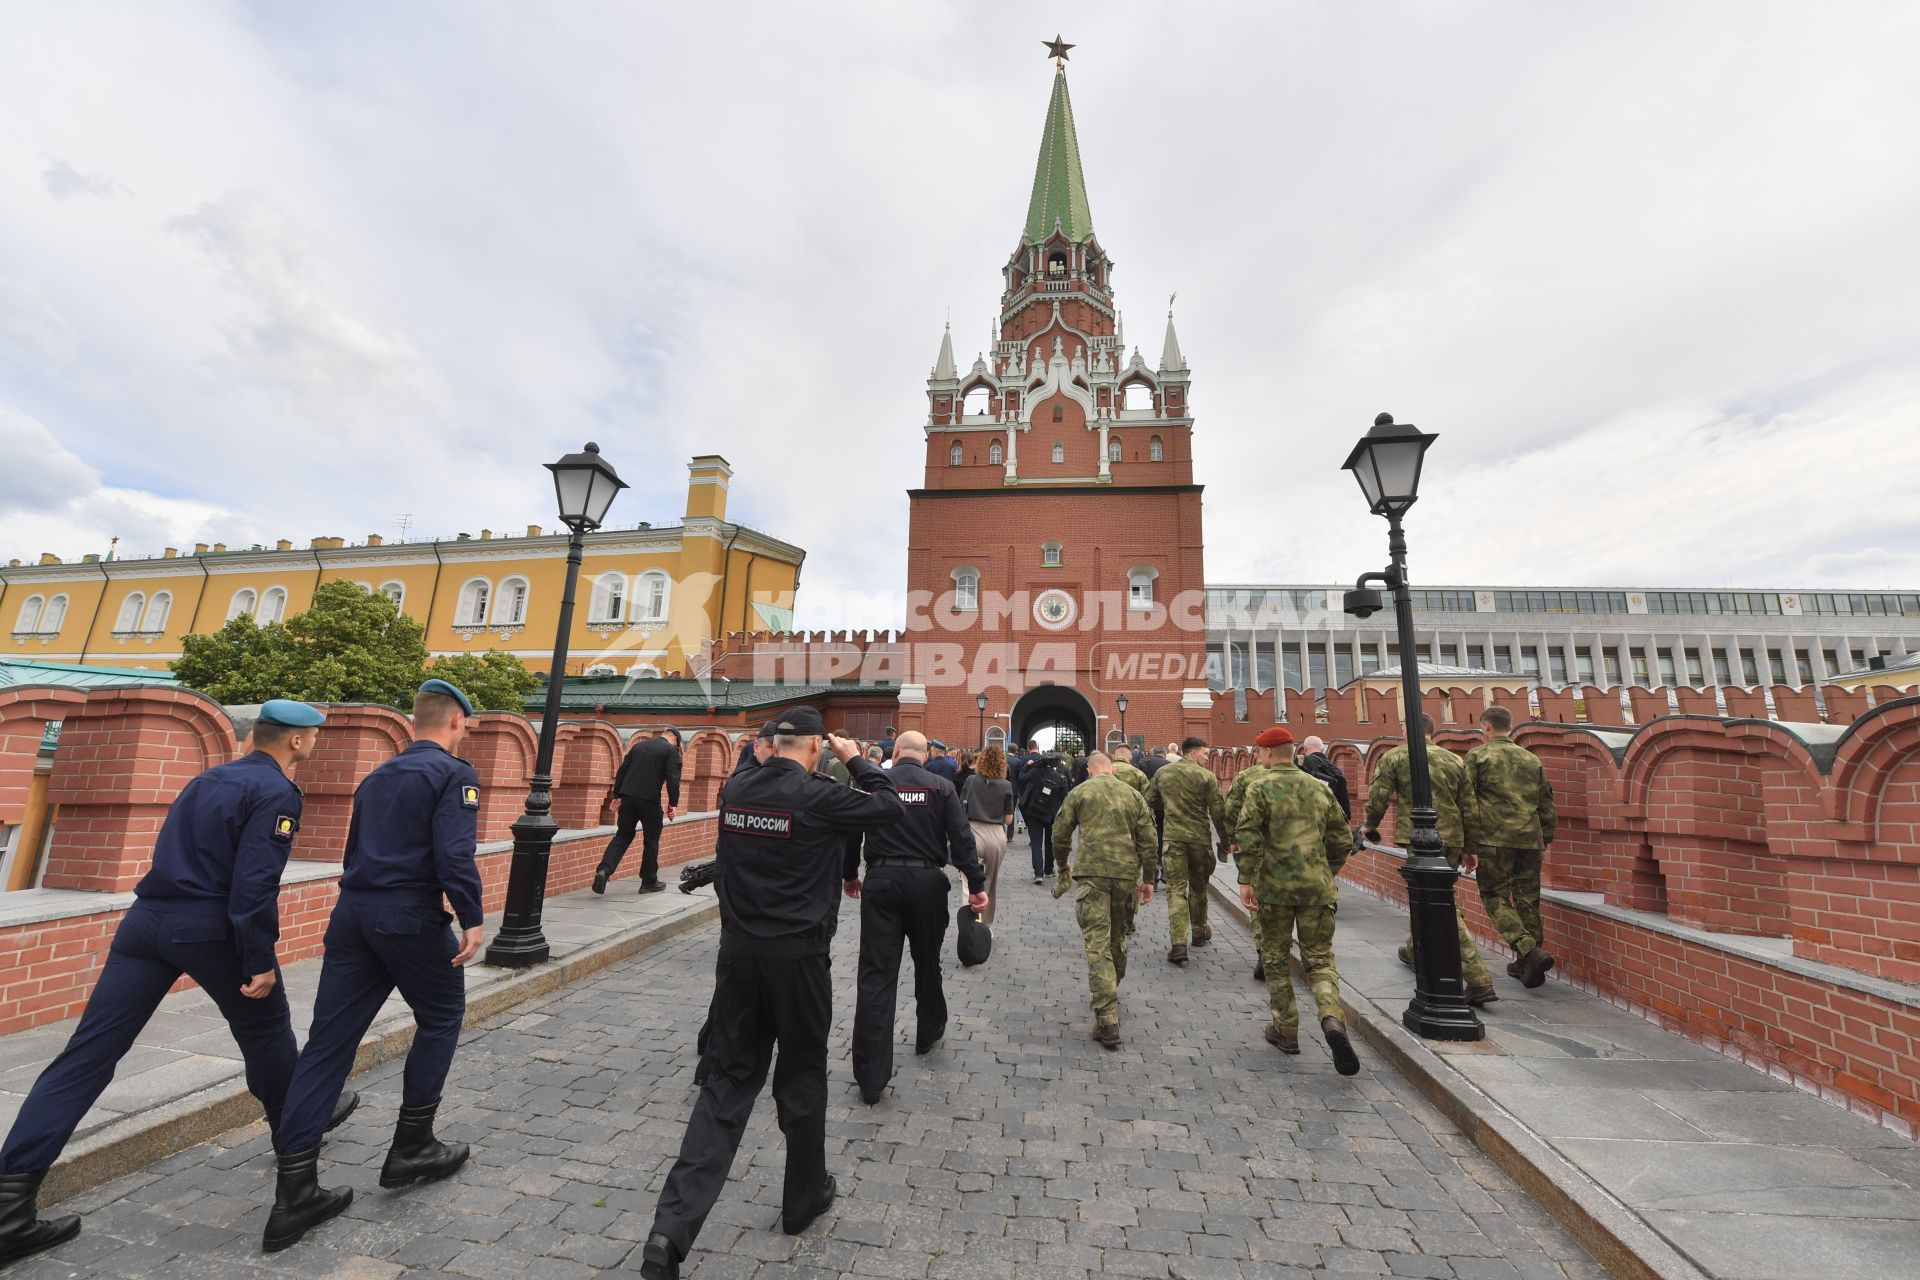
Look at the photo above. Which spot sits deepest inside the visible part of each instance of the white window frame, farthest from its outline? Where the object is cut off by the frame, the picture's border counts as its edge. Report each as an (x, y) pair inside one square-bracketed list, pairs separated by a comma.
[(1059, 452), (1156, 450), (476, 594), (153, 619), (966, 589), (127, 621), (244, 601), (1126, 396), (1116, 452), (32, 610), (509, 608), (55, 616), (607, 603), (1052, 555), (996, 454), (643, 608), (395, 591), (273, 605), (1140, 589), (955, 454)]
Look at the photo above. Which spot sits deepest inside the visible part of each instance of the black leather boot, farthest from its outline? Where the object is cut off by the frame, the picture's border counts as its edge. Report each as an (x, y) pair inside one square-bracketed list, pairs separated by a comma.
[(659, 1260), (416, 1155), (22, 1230), (300, 1203), (344, 1106)]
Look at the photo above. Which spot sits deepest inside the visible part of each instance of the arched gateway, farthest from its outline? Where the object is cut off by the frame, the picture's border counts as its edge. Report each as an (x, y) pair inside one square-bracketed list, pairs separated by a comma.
[(1059, 707)]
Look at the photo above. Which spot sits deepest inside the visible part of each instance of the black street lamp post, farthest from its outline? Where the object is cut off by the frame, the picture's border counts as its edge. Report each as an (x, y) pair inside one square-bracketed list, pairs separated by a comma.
[(1120, 704), (585, 485), (1386, 462), (980, 701)]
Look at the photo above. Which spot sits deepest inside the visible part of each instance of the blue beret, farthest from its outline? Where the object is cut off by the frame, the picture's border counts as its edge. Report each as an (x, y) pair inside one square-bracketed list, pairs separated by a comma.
[(441, 686), (937, 743), (296, 715)]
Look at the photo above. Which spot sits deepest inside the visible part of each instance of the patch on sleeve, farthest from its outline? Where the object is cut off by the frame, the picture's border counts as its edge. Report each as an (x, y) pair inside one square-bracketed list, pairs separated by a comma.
[(284, 826), (469, 797)]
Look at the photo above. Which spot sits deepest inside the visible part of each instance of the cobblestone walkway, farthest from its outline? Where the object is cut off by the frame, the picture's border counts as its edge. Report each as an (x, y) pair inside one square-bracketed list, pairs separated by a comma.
[(1018, 1148)]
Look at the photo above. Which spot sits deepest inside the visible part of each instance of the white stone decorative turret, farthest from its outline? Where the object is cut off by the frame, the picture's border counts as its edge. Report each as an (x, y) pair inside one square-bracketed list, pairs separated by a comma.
[(1171, 361), (943, 370)]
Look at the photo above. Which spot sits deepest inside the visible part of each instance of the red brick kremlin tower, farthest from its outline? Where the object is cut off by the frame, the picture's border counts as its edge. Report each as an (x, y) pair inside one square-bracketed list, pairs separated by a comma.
[(1056, 537)]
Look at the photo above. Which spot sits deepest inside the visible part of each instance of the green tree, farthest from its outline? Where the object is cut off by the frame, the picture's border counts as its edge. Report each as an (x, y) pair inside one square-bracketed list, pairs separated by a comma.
[(492, 681), (351, 645)]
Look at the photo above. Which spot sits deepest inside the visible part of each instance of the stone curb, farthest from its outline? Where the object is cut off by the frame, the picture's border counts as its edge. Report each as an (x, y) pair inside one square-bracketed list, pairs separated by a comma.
[(1619, 1239), (130, 1144)]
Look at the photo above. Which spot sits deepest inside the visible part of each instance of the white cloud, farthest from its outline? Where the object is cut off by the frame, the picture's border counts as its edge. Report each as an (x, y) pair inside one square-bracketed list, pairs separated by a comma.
[(1649, 270)]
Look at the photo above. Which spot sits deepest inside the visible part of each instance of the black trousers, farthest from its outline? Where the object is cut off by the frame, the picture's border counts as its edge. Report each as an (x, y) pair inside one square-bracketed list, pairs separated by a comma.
[(157, 941), (649, 818), (758, 1003), (898, 904), (1040, 844)]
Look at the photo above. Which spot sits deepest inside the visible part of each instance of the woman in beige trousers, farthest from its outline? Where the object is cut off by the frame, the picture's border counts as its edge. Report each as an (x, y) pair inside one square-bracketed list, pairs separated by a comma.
[(988, 800)]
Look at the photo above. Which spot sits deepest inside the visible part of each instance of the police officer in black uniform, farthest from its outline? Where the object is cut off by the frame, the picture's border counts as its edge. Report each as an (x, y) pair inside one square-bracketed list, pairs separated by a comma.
[(210, 909), (410, 842), (905, 898), (782, 838)]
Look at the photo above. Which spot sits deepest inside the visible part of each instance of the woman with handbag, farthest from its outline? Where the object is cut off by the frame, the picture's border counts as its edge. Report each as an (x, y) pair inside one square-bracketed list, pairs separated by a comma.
[(987, 797)]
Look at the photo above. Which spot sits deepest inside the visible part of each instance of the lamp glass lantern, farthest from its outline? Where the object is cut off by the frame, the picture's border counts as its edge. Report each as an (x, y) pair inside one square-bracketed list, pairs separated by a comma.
[(980, 701), (1387, 462), (584, 484), (1121, 703)]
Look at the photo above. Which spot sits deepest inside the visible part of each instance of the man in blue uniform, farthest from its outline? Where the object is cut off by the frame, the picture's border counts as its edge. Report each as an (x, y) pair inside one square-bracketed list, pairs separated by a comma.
[(410, 842), (210, 909), (904, 899), (783, 832)]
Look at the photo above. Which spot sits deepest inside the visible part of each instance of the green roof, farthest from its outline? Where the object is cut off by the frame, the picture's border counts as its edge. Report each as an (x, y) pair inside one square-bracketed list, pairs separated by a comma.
[(23, 671), (1059, 188), (616, 693)]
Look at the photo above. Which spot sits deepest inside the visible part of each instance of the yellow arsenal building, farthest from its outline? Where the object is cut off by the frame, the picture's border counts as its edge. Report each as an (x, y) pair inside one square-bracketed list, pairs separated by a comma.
[(648, 595)]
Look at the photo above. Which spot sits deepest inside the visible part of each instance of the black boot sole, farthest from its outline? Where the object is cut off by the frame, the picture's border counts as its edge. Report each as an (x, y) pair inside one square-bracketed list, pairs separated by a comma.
[(340, 1116), (599, 883), (1345, 1060), (274, 1244), (58, 1232), (395, 1182), (658, 1263)]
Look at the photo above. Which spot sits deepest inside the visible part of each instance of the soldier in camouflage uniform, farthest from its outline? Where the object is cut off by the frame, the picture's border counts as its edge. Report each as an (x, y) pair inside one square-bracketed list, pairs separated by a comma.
[(1113, 866), (1293, 839), (1124, 769), (1453, 801), (1236, 801), (1187, 796), (1512, 826)]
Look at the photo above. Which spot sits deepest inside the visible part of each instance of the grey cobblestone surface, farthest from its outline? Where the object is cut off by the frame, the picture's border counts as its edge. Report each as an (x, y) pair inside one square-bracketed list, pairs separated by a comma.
[(1018, 1148)]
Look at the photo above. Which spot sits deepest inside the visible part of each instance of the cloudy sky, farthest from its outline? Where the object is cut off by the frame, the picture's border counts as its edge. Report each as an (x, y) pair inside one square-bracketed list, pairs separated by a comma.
[(1650, 270)]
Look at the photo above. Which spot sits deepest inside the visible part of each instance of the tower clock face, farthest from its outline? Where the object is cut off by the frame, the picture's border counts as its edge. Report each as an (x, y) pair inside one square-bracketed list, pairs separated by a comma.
[(1054, 610)]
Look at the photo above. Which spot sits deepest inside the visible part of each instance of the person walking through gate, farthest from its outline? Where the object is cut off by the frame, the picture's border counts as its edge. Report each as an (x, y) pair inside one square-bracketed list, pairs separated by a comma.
[(988, 797), (1292, 841), (1040, 798), (904, 899), (1453, 802), (410, 843), (1113, 868), (1512, 825), (778, 867), (1188, 795), (209, 909), (650, 764)]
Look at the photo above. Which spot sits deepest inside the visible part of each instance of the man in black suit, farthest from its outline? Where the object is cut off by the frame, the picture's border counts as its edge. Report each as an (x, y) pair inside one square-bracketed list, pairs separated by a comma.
[(651, 763)]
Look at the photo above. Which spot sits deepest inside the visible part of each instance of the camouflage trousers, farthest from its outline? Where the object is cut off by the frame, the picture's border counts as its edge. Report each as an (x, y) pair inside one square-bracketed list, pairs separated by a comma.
[(1472, 967), (1189, 865), (1100, 903), (1510, 888), (1275, 925)]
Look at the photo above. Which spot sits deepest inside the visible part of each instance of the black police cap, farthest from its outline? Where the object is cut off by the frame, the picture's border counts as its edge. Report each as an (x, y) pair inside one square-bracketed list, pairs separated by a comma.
[(801, 722)]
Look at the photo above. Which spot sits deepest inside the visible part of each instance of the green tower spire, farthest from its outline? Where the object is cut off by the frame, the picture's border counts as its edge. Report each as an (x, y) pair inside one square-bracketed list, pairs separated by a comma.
[(1059, 188)]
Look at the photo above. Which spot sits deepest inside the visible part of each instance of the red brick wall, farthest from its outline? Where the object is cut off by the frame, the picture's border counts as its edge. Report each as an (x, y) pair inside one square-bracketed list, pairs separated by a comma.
[(356, 739)]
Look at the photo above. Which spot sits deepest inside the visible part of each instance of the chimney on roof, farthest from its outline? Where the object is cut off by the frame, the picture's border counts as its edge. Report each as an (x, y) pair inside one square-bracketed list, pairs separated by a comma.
[(374, 539), (283, 545), (533, 531), (707, 477), (91, 559), (463, 537), (47, 557), (199, 548), (486, 535), (170, 553), (219, 546)]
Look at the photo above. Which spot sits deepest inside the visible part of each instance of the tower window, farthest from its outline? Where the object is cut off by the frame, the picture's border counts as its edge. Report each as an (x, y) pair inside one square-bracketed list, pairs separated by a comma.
[(1059, 414), (1140, 581), (1056, 263), (995, 454), (1059, 452), (1156, 452), (954, 455), (966, 589), (1050, 554), (1114, 452), (1135, 396)]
